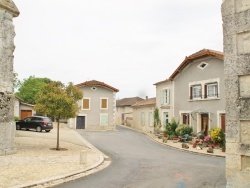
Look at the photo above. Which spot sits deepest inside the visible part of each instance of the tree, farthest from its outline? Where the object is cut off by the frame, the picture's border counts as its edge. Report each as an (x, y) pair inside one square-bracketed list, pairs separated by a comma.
[(29, 88), (16, 82), (56, 99)]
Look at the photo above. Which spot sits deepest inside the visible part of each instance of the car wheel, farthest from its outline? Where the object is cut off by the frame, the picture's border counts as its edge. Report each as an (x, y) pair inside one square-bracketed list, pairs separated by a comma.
[(18, 127), (47, 131), (27, 129), (39, 129)]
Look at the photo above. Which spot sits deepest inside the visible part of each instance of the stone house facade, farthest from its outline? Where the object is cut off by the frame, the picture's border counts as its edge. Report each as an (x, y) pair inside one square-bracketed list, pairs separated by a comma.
[(97, 108), (143, 115), (124, 110), (198, 90)]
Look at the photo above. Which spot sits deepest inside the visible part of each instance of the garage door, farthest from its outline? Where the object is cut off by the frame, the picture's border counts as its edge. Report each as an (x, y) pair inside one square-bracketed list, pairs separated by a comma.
[(80, 122), (25, 113)]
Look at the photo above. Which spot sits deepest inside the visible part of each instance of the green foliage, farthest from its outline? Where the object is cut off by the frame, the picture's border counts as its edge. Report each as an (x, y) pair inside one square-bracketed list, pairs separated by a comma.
[(29, 88), (56, 99), (217, 135), (157, 121), (16, 82), (183, 129), (170, 128), (16, 118)]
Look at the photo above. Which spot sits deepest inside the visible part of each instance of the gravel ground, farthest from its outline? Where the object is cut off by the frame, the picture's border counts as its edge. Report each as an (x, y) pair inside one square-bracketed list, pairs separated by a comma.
[(36, 161)]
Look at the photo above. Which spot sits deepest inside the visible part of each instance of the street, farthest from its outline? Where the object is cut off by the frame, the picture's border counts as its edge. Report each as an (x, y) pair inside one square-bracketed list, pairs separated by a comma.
[(139, 162)]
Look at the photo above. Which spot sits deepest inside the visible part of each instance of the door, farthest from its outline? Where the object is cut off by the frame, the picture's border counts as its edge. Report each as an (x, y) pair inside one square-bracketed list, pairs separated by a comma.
[(25, 113), (123, 119), (204, 123), (80, 122), (223, 122)]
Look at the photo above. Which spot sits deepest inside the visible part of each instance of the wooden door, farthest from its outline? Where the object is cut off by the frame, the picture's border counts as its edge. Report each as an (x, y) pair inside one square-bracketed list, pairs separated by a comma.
[(223, 122), (25, 113), (204, 123)]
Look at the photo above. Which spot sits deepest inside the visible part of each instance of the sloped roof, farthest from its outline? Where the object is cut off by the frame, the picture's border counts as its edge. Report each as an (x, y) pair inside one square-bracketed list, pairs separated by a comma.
[(128, 101), (197, 55), (161, 82), (96, 83), (151, 101)]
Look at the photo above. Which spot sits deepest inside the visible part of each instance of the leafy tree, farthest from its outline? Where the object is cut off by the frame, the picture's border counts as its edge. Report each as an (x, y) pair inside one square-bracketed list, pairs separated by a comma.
[(29, 88), (16, 82), (56, 99)]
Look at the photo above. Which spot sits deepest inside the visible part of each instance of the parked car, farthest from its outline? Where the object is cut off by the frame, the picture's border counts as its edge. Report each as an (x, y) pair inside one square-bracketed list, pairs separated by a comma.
[(38, 123)]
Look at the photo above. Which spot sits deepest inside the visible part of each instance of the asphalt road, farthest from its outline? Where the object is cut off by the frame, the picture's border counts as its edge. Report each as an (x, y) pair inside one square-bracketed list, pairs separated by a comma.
[(139, 162)]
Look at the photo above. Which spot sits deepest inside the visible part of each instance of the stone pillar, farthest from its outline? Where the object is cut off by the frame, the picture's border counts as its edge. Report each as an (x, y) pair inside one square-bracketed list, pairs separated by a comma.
[(8, 10), (236, 31)]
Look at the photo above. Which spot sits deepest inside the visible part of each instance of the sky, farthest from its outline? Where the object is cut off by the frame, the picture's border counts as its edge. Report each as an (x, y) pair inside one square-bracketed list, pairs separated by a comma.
[(127, 44)]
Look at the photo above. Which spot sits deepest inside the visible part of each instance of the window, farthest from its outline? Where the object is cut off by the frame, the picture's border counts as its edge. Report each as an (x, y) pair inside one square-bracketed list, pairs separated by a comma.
[(165, 99), (85, 104), (185, 119), (195, 92), (203, 65), (211, 90), (104, 103), (165, 116)]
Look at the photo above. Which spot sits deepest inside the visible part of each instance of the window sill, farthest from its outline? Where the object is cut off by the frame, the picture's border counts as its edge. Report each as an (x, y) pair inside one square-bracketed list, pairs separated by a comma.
[(207, 99)]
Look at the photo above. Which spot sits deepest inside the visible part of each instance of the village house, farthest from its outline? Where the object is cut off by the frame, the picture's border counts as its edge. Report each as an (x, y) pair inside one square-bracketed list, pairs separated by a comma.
[(97, 108), (124, 110), (194, 93)]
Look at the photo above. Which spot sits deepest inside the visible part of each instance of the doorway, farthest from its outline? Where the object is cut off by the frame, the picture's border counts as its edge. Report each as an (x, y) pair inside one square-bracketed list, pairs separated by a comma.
[(204, 123), (80, 122)]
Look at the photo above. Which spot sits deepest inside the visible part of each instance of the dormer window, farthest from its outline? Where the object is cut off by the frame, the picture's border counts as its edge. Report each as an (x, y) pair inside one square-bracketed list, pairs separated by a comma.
[(203, 65)]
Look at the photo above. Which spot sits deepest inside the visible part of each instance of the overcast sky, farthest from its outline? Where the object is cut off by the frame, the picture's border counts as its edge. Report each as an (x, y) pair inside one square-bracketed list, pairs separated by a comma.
[(128, 44)]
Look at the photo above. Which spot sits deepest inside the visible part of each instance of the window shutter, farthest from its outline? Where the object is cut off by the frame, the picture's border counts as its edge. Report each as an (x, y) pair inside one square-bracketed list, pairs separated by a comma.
[(191, 92), (85, 103), (162, 97), (104, 103), (168, 96), (205, 91)]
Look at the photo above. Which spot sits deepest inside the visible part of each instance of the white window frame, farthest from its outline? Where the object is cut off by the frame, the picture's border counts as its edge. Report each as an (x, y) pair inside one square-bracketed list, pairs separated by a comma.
[(199, 96), (165, 98), (101, 103), (89, 104), (215, 90)]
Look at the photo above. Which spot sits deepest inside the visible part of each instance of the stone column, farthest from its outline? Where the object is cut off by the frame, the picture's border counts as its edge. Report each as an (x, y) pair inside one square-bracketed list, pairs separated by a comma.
[(8, 10), (236, 30)]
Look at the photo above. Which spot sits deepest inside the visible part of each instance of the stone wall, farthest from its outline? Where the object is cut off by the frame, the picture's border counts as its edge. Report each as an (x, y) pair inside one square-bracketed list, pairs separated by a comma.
[(236, 30), (8, 10)]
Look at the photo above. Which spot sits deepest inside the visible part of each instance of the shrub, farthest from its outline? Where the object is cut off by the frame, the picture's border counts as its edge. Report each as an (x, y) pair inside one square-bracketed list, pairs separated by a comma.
[(183, 129), (16, 118), (170, 127), (217, 135)]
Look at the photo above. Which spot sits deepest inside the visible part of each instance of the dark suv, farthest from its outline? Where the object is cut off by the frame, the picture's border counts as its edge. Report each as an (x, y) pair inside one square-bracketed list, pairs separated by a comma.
[(38, 123)]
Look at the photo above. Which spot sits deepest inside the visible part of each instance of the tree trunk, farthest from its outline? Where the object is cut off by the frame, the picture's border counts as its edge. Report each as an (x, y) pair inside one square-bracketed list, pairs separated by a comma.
[(57, 143)]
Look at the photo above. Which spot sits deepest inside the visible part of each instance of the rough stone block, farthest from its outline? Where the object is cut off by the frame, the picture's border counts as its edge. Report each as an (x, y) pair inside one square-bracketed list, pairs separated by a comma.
[(242, 23), (227, 7), (233, 162), (245, 132), (242, 5), (229, 25), (245, 163), (244, 82), (244, 109), (243, 42)]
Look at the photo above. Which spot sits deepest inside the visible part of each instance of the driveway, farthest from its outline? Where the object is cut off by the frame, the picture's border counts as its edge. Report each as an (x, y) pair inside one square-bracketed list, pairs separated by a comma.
[(138, 162)]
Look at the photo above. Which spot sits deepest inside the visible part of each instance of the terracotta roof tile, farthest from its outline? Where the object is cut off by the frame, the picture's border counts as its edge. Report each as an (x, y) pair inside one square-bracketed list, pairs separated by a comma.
[(96, 83), (128, 101), (197, 55), (151, 101)]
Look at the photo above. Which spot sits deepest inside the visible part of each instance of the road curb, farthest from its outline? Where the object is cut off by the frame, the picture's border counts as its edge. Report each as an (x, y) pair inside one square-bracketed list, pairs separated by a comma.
[(103, 162), (164, 144)]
